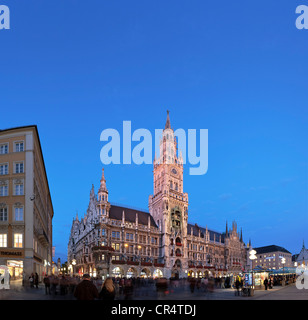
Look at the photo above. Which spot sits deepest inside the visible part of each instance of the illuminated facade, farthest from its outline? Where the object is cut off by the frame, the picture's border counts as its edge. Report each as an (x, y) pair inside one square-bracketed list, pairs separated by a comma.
[(302, 257), (121, 241), (26, 209), (272, 257)]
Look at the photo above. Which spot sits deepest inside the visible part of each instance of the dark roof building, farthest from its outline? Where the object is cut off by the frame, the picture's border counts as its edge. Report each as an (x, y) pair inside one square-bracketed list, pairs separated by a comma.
[(272, 257), (271, 248), (116, 212)]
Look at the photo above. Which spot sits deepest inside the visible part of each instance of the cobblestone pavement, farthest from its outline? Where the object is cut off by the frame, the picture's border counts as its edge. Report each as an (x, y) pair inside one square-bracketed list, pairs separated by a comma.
[(18, 292)]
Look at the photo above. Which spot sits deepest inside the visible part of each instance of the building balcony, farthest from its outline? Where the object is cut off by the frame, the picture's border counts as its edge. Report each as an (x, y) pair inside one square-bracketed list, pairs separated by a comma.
[(102, 248), (42, 237), (118, 262), (146, 264), (161, 265)]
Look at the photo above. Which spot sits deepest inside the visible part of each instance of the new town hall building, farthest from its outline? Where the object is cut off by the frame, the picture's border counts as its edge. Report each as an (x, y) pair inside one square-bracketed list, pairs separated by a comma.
[(112, 240)]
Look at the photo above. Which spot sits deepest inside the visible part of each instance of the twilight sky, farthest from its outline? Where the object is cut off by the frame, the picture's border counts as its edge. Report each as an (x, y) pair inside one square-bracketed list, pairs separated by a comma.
[(238, 69)]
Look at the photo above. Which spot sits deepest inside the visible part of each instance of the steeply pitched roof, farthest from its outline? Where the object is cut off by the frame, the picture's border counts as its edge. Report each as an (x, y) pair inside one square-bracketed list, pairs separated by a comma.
[(271, 248), (214, 236), (115, 212)]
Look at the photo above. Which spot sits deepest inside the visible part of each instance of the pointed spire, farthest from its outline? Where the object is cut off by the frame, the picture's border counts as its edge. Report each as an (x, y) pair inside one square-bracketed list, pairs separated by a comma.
[(92, 192), (103, 182), (226, 228), (241, 239), (168, 126)]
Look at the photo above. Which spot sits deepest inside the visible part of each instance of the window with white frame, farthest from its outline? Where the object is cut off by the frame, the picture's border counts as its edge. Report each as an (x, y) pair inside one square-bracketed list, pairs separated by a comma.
[(19, 167), (4, 169), (3, 213), (4, 148), (3, 240), (19, 146), (4, 190), (17, 240), (19, 188), (19, 213)]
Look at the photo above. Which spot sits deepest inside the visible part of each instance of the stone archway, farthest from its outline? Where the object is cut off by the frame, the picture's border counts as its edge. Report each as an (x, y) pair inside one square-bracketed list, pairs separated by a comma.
[(117, 272), (157, 273), (145, 273), (131, 273), (177, 269)]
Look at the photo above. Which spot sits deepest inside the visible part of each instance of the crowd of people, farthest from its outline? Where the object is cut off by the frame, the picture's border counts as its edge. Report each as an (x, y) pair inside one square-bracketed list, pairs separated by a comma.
[(88, 288), (123, 288)]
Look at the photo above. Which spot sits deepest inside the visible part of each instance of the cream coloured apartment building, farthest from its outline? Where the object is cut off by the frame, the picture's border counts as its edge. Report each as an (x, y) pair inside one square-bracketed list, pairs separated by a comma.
[(26, 209)]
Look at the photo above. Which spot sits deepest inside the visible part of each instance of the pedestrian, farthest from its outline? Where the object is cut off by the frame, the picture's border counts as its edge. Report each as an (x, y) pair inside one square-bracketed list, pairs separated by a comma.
[(108, 290), (265, 283), (31, 280), (128, 289), (47, 284), (192, 285), (237, 286), (54, 283), (63, 285), (222, 283), (36, 280), (86, 290), (270, 283)]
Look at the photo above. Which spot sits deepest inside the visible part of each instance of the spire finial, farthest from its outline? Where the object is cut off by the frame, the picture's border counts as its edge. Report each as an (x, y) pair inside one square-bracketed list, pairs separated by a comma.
[(168, 126), (103, 182)]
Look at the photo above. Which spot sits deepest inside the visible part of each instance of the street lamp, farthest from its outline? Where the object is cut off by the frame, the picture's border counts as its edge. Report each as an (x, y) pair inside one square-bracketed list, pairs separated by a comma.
[(73, 265), (283, 261), (252, 256)]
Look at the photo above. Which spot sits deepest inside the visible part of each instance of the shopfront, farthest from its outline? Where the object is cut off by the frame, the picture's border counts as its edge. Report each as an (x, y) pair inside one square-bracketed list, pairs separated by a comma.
[(15, 268), (13, 259), (257, 277)]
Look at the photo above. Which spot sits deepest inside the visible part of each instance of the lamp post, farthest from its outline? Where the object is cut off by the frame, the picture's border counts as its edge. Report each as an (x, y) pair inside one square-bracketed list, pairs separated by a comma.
[(73, 264), (252, 256), (283, 261)]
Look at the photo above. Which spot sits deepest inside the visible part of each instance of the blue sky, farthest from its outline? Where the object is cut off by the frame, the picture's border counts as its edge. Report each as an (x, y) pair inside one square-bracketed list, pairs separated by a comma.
[(238, 69)]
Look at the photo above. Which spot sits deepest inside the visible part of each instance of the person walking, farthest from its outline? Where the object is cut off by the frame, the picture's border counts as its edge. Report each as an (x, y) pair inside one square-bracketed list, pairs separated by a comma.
[(128, 289), (47, 284), (31, 280), (108, 290), (270, 283), (265, 283), (237, 286), (86, 290), (192, 285), (36, 280), (54, 282)]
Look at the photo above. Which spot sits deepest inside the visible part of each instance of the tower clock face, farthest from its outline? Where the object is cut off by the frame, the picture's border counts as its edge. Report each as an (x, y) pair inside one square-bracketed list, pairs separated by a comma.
[(174, 171)]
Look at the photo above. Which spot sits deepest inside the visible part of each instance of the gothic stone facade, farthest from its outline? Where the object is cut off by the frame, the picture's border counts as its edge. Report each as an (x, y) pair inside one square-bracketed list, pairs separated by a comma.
[(121, 241)]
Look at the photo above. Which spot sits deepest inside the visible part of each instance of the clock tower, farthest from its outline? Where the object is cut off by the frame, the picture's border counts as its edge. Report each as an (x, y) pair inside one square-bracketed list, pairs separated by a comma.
[(169, 204)]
